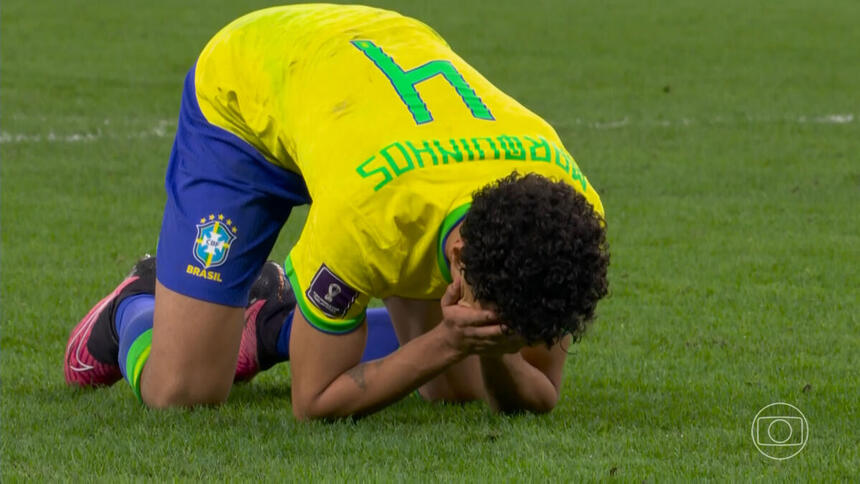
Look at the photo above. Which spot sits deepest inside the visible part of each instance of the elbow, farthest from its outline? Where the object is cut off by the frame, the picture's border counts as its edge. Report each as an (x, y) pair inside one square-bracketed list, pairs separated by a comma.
[(300, 413), (314, 409), (543, 407), (548, 404), (519, 409), (307, 411), (305, 408), (534, 405)]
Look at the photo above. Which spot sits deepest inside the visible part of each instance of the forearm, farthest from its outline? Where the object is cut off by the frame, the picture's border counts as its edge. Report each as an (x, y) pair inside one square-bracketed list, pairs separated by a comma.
[(373, 385), (514, 385)]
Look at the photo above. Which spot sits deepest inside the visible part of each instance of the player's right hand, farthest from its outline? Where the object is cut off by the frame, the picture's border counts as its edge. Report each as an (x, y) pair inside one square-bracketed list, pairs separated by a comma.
[(474, 330)]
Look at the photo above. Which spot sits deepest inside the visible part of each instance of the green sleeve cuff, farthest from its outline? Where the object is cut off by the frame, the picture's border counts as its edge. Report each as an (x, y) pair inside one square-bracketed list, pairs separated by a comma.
[(325, 325)]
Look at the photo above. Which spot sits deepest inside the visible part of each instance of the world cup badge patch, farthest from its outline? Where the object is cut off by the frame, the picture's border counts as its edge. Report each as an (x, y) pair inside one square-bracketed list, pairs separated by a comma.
[(215, 236), (330, 293)]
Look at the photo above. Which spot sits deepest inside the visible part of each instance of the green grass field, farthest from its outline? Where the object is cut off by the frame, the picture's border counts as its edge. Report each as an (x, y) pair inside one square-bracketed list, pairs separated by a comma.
[(722, 136)]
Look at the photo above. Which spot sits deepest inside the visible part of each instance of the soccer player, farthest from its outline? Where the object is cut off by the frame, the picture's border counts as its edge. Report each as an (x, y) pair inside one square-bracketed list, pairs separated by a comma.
[(429, 188)]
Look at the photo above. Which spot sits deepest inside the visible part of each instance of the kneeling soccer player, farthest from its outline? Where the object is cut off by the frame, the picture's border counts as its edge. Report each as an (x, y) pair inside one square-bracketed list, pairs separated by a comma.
[(429, 188)]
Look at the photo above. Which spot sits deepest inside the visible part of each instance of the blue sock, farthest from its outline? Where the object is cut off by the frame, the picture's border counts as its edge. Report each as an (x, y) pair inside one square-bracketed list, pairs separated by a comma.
[(381, 340), (133, 318), (284, 337)]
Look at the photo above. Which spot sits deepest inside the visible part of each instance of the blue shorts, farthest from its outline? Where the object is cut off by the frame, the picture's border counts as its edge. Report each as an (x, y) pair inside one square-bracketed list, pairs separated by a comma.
[(225, 207)]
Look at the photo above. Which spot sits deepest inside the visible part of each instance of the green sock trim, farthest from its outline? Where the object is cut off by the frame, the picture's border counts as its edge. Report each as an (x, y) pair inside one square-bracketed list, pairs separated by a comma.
[(137, 356)]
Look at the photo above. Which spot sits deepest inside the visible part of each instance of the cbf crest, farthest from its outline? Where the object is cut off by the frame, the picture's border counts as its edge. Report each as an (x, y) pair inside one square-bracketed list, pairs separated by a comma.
[(215, 236)]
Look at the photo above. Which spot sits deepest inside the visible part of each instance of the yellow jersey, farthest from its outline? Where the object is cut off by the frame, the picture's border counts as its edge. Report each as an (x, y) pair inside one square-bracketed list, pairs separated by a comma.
[(392, 132)]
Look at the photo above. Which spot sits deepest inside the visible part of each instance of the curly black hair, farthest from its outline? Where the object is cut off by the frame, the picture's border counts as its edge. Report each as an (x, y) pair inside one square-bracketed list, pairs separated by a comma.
[(537, 251)]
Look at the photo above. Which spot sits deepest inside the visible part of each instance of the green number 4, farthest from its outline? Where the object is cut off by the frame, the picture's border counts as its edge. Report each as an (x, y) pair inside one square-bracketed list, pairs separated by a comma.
[(404, 82)]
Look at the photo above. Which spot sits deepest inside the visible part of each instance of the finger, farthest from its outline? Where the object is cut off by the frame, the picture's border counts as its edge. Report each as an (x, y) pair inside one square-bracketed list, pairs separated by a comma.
[(490, 333), (467, 316), (498, 341), (514, 337), (452, 294), (484, 317)]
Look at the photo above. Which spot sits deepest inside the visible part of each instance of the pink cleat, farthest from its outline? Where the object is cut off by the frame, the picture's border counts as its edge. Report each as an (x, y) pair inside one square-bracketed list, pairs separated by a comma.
[(270, 300), (81, 367), (248, 364)]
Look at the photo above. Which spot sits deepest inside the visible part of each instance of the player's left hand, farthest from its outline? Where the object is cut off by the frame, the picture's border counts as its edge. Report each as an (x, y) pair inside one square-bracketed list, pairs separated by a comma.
[(474, 330)]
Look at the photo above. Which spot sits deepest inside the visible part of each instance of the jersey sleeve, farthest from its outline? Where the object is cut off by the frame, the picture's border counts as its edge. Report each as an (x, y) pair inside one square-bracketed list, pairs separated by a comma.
[(327, 279)]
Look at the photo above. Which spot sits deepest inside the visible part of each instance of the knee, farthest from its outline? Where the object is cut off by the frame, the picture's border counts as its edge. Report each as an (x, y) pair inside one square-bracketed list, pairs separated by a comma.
[(182, 390)]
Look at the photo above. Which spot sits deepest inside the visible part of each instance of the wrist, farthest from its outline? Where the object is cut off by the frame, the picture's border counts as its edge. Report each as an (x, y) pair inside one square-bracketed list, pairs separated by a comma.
[(445, 342)]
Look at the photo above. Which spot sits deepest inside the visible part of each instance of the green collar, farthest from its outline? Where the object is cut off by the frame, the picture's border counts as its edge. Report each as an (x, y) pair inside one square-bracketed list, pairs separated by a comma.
[(451, 220)]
